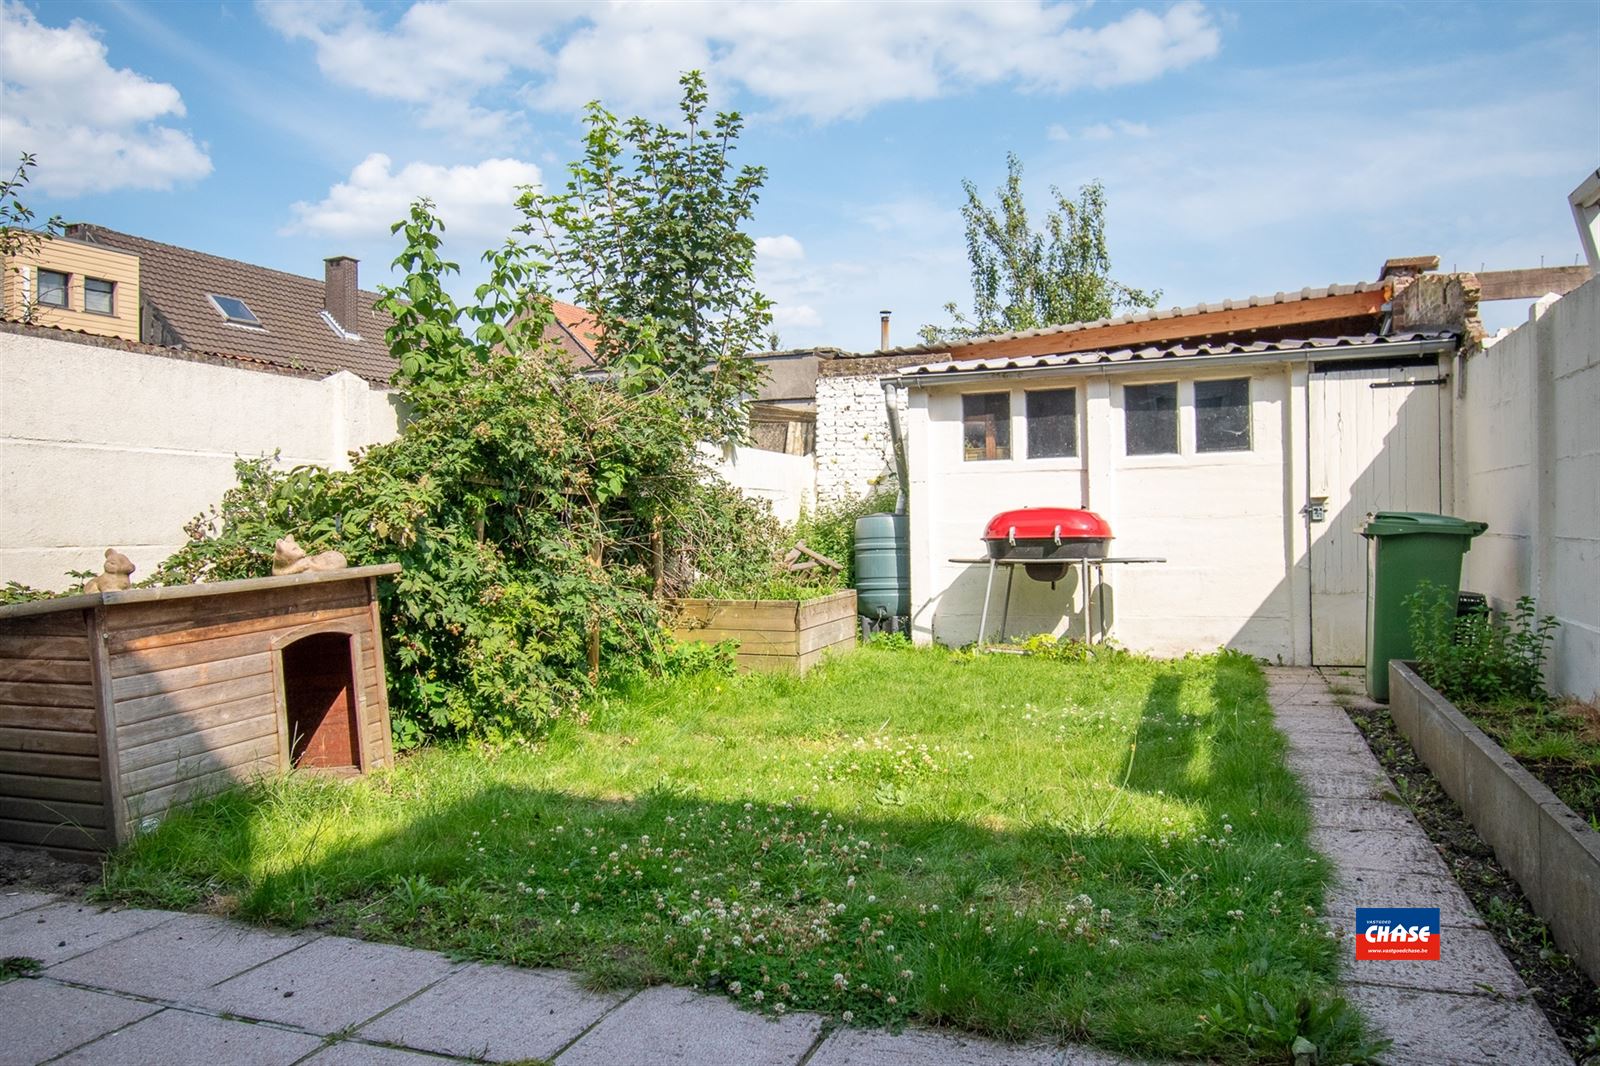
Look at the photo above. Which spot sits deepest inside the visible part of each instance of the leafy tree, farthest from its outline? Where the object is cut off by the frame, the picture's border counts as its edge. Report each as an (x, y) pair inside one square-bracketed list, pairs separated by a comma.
[(18, 235), (647, 235), (1026, 279)]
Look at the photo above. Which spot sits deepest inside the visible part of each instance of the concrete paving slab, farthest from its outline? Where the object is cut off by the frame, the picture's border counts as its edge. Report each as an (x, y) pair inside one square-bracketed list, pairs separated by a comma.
[(16, 902), (179, 1038), (60, 931), (678, 1027), (916, 1047), (1298, 720), (1348, 812), (1437, 1027), (1469, 962), (1399, 888), (328, 985), (352, 1053), (495, 1013), (1338, 745), (1362, 785), (1363, 849), (176, 959), (41, 1019)]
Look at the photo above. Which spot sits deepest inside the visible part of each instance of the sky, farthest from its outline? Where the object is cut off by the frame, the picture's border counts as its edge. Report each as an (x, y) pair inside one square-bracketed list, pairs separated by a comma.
[(1244, 147)]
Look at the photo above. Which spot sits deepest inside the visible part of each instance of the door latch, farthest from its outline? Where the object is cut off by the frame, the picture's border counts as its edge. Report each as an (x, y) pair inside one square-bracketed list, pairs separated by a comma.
[(1316, 510)]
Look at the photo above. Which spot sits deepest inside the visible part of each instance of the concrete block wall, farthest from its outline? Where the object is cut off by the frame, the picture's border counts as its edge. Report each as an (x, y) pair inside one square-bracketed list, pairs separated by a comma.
[(1527, 462), (854, 453), (103, 446)]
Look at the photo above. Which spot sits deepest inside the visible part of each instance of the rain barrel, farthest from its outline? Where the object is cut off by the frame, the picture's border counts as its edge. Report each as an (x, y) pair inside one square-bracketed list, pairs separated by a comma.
[(883, 566)]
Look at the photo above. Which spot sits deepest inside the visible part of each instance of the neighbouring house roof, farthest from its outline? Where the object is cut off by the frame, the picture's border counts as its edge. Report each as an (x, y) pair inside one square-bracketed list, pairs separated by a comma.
[(1332, 310), (1141, 358), (575, 332), (177, 283)]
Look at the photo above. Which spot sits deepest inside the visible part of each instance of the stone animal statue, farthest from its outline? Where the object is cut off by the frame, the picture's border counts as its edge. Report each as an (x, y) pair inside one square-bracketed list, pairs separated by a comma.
[(289, 558), (115, 577)]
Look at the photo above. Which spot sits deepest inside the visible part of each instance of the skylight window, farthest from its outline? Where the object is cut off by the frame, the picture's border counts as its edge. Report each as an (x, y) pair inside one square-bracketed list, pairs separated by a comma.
[(235, 311)]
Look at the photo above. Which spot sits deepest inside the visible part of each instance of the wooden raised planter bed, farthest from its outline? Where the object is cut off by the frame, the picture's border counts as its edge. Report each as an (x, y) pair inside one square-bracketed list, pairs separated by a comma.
[(774, 635), (1551, 851), (117, 706)]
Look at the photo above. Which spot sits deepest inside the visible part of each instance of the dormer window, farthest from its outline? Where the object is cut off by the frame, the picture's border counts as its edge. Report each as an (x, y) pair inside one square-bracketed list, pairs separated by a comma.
[(235, 311), (52, 288)]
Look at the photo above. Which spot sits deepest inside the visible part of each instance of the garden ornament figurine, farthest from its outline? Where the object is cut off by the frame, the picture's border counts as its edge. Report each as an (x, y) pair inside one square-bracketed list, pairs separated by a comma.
[(115, 577), (289, 558)]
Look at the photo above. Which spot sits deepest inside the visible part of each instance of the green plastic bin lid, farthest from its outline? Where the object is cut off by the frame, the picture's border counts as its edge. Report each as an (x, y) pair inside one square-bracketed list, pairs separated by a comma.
[(1395, 523)]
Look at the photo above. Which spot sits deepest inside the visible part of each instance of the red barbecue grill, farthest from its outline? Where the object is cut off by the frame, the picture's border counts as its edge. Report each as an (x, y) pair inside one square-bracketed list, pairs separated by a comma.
[(1047, 542)]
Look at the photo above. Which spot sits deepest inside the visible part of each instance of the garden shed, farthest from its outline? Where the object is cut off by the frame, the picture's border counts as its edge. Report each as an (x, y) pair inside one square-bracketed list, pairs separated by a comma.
[(1242, 453), (117, 706)]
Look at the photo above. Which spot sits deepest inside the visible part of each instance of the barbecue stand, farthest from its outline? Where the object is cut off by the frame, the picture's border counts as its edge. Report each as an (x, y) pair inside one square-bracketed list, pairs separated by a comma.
[(1085, 565)]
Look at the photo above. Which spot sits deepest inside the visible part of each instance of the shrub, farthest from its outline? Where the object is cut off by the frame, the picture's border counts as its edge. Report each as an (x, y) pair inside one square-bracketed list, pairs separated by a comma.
[(831, 529), (1475, 658)]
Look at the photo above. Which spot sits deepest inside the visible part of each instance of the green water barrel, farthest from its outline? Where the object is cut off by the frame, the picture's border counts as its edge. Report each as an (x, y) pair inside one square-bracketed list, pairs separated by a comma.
[(883, 566)]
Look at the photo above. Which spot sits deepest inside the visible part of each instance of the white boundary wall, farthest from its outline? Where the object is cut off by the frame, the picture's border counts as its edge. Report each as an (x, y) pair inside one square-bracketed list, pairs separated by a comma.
[(1527, 461), (787, 482), (855, 455), (105, 447)]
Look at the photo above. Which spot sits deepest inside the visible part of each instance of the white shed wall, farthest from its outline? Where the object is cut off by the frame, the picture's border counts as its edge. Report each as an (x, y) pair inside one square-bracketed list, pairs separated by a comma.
[(103, 447), (1219, 519), (1527, 462)]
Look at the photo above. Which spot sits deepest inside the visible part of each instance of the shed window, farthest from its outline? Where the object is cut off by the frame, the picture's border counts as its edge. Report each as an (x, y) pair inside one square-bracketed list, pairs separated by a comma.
[(1222, 415), (52, 288), (1052, 423), (1150, 414), (99, 296), (986, 425)]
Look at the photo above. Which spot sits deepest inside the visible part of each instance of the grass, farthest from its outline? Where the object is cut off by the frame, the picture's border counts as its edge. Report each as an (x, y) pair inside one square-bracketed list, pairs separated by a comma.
[(1110, 851), (1558, 741)]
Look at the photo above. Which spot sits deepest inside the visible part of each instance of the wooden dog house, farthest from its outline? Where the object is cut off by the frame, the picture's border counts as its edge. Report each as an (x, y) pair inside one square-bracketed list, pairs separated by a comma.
[(117, 706)]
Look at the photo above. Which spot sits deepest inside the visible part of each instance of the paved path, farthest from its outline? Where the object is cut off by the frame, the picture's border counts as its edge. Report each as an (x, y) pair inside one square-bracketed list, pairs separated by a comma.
[(131, 987), (1469, 1007)]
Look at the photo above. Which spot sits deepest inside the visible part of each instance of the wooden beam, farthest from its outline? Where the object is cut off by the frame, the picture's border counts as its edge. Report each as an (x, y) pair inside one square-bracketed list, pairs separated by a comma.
[(1204, 324), (1530, 284)]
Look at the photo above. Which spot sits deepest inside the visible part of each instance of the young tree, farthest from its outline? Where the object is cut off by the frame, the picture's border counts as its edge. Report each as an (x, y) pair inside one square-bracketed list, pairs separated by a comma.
[(647, 235), (1023, 279), (18, 235)]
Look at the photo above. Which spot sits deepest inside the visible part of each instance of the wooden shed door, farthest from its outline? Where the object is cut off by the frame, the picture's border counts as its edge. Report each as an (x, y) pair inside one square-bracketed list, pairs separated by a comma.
[(320, 700), (1374, 447)]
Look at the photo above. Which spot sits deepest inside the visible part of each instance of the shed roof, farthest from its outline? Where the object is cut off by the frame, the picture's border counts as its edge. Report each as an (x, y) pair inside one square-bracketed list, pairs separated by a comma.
[(1131, 358)]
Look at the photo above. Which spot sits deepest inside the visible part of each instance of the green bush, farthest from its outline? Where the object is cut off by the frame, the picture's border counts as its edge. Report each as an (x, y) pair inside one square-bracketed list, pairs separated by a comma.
[(831, 529), (1474, 658)]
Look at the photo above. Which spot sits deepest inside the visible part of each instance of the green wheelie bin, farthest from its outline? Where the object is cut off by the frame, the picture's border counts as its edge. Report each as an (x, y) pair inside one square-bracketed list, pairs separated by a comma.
[(1404, 549)]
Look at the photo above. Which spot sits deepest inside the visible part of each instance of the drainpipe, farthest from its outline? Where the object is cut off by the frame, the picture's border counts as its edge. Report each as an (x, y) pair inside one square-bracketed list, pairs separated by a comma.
[(898, 443)]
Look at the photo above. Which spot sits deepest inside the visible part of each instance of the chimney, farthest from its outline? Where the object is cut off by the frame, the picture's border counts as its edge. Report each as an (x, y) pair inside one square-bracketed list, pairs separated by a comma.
[(339, 292), (883, 330)]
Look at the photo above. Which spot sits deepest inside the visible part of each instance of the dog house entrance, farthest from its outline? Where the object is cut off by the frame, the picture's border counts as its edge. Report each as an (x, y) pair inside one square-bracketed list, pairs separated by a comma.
[(320, 700)]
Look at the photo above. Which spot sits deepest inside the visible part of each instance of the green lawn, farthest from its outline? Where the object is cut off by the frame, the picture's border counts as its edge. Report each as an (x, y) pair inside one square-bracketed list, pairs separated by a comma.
[(1109, 851)]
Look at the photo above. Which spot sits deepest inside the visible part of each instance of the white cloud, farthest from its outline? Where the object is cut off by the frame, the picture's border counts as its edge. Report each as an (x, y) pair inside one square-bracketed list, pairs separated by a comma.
[(475, 200), (781, 248), (94, 127), (819, 60), (1099, 131)]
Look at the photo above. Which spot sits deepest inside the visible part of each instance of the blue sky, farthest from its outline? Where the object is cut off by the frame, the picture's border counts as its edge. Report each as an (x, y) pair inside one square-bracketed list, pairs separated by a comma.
[(1245, 147)]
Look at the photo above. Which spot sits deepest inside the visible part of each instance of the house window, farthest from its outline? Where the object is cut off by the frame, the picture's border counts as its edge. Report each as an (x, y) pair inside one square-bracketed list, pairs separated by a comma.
[(52, 288), (986, 425), (99, 296), (234, 310), (1150, 414), (1222, 415), (1052, 423)]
